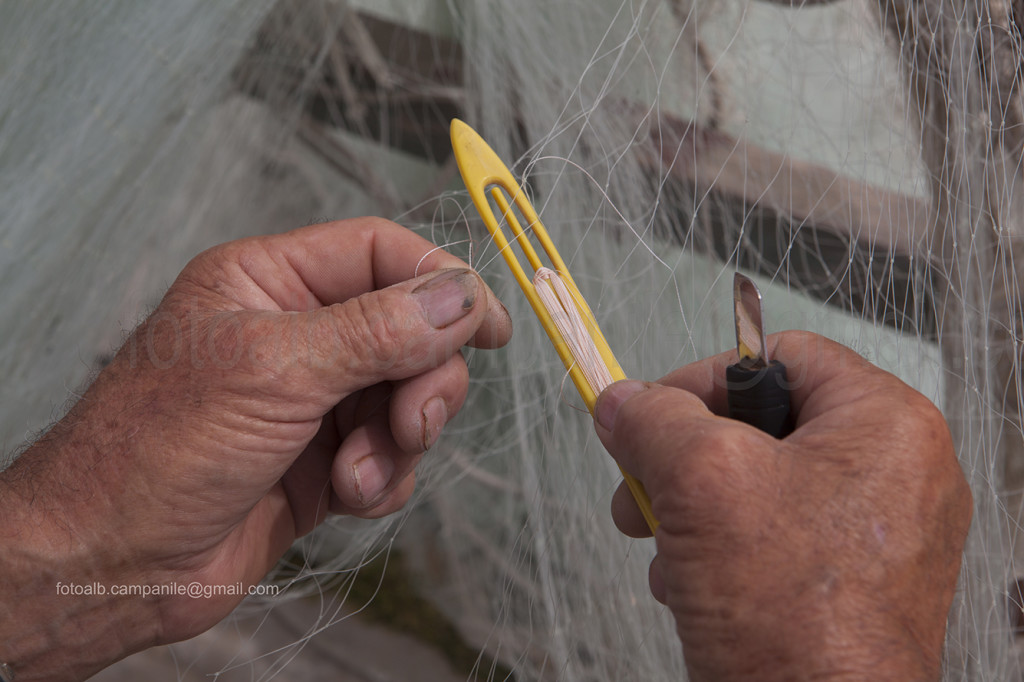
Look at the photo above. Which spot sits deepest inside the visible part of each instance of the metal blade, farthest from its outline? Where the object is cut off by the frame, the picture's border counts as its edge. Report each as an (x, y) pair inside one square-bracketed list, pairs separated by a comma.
[(750, 342)]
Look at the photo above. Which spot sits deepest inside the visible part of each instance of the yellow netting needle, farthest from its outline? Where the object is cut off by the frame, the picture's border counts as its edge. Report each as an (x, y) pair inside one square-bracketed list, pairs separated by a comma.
[(483, 172)]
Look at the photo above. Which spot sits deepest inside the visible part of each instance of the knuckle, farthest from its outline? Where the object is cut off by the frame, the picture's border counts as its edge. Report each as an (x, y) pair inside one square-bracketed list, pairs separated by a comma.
[(211, 270), (800, 337), (644, 411), (213, 259), (923, 423), (696, 500), (706, 467), (929, 465), (800, 342), (714, 440), (368, 331)]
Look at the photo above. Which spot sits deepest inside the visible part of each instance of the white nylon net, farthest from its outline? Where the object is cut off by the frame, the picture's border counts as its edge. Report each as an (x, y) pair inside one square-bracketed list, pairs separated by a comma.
[(861, 160)]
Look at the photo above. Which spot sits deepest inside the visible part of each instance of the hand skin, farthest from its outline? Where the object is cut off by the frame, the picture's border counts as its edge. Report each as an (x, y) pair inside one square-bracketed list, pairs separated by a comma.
[(228, 425), (831, 554)]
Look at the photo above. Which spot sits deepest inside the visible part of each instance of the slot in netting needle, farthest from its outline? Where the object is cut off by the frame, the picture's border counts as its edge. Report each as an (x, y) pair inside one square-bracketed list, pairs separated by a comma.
[(562, 307), (482, 170)]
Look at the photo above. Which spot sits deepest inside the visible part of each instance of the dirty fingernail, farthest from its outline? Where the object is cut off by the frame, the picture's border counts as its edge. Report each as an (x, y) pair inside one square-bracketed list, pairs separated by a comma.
[(435, 416), (371, 476), (611, 399), (448, 297)]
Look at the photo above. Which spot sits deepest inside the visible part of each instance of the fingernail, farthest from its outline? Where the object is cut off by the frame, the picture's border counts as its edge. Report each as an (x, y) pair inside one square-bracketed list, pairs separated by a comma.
[(371, 475), (435, 416), (611, 399), (448, 297)]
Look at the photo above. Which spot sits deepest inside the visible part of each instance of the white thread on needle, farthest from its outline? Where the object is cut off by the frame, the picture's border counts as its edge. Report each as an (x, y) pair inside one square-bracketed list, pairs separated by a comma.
[(561, 305)]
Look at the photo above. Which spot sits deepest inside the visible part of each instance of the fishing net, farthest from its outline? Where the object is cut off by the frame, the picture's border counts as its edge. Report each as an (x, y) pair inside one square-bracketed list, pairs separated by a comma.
[(860, 160)]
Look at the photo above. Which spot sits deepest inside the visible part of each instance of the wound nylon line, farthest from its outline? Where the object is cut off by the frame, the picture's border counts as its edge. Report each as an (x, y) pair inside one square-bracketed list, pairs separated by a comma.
[(562, 307)]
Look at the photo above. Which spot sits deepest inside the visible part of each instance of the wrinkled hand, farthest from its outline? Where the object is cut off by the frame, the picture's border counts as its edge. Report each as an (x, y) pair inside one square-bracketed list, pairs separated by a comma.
[(280, 377), (831, 554)]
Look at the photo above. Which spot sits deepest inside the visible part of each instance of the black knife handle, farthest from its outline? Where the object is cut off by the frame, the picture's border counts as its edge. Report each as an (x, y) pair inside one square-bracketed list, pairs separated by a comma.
[(760, 397)]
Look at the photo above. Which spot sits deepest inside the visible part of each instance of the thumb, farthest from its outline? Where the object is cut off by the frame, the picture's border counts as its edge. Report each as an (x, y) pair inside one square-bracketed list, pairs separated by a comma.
[(397, 332), (651, 429)]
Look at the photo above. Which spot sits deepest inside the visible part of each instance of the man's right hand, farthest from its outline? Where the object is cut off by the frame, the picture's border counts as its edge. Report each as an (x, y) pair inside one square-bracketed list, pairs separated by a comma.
[(831, 554)]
